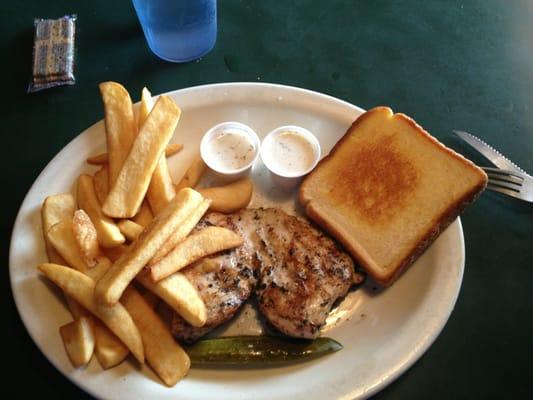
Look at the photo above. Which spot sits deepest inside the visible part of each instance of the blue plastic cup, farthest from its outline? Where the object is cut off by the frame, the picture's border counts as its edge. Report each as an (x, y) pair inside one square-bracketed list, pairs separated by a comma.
[(178, 30)]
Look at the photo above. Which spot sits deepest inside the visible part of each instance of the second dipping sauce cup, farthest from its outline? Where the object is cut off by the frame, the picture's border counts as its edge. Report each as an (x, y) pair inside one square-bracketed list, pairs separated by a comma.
[(230, 149), (290, 152)]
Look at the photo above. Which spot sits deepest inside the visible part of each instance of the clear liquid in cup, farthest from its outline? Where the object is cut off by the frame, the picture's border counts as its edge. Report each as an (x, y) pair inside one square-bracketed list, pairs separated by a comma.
[(178, 30)]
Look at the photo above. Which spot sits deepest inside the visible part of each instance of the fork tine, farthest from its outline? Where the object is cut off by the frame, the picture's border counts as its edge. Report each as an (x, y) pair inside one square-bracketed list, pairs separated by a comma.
[(508, 192), (504, 184), (503, 172), (505, 178)]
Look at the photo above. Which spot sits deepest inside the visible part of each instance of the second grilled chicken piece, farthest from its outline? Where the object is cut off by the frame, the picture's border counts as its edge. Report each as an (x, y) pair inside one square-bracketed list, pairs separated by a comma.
[(298, 272), (302, 273)]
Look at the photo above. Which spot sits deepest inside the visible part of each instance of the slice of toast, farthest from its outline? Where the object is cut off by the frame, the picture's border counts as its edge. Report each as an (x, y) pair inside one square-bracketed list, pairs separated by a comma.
[(387, 190)]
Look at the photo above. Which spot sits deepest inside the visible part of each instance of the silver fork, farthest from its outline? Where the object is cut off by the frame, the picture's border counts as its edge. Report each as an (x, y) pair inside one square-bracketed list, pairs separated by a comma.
[(511, 183)]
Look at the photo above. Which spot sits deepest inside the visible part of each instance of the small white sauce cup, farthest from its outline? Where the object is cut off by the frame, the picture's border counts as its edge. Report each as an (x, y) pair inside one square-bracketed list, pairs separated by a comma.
[(229, 175), (287, 179)]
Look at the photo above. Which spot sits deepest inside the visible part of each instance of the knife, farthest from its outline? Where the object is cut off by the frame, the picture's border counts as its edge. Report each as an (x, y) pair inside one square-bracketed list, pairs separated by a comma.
[(489, 152)]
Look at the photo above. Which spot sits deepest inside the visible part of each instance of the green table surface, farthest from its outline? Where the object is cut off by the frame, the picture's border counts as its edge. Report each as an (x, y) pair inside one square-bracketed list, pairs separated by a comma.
[(448, 64)]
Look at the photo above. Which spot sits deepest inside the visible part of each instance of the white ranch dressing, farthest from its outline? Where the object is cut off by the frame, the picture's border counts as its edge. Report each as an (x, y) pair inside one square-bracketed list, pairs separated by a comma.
[(290, 153), (230, 150)]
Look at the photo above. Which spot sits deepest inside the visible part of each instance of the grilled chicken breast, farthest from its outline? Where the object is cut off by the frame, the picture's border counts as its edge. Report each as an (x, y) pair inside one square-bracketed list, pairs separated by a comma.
[(298, 273), (224, 282), (302, 273)]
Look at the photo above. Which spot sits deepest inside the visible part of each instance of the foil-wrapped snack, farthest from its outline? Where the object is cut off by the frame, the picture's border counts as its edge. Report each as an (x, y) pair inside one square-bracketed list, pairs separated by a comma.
[(53, 53)]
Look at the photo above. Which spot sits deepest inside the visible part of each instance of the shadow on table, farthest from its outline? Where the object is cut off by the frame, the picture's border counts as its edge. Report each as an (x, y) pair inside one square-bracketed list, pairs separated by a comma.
[(19, 64)]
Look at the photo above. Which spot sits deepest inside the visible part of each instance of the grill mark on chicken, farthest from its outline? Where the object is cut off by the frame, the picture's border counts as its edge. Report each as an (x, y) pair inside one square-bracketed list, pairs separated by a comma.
[(298, 274), (224, 282), (304, 275)]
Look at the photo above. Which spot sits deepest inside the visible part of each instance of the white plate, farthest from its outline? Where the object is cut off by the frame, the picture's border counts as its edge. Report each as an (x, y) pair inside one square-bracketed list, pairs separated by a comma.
[(383, 332)]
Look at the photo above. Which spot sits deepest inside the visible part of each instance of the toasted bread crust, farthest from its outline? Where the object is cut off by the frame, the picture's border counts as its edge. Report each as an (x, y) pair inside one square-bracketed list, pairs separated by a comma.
[(329, 222), (445, 219)]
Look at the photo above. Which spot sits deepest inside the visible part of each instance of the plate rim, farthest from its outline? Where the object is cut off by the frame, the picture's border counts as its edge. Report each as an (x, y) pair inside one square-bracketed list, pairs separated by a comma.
[(390, 378), (429, 339)]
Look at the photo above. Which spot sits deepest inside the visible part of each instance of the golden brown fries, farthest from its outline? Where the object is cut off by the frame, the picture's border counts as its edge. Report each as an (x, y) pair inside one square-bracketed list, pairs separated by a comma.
[(181, 232), (173, 148), (129, 189), (130, 229), (77, 312), (62, 239), (180, 294), (207, 241), (98, 159), (145, 107), (163, 353), (86, 238), (75, 308), (108, 233), (229, 198), (110, 287), (102, 158), (161, 189), (132, 197), (78, 339), (54, 209), (109, 349), (120, 126), (101, 184), (100, 268), (115, 317), (144, 216), (193, 175), (209, 265), (114, 253)]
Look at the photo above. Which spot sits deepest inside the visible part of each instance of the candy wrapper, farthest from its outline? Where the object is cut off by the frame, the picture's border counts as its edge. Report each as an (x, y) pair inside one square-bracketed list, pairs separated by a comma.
[(53, 53)]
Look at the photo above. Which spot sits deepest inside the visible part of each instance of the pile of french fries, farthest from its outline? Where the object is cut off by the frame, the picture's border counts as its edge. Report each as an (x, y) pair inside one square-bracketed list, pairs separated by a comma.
[(118, 247)]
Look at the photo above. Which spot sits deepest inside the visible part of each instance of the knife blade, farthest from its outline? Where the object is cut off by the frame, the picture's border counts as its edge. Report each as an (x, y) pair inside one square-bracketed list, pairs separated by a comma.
[(493, 155)]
